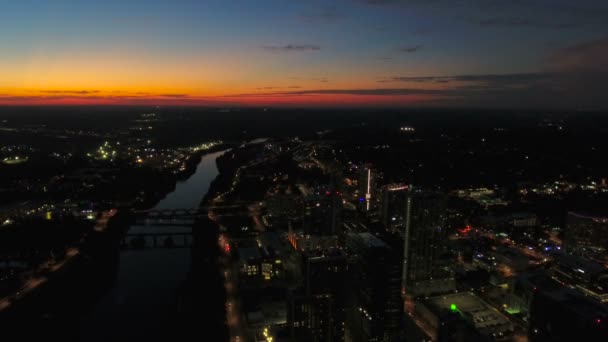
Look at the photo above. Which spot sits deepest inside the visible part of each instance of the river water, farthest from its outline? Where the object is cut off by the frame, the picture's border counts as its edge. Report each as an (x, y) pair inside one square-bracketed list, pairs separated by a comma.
[(145, 291)]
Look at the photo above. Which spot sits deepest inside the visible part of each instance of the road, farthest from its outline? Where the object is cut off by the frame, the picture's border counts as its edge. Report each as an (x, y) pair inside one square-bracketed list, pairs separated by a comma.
[(102, 222), (237, 324)]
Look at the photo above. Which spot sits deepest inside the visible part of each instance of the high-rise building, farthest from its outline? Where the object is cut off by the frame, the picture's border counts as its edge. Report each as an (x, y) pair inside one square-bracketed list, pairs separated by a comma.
[(393, 206), (463, 317), (317, 310), (323, 213), (424, 237), (375, 310), (586, 234)]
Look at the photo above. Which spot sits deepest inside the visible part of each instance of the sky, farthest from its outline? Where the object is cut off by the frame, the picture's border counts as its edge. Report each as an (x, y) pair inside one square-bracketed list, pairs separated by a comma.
[(308, 53)]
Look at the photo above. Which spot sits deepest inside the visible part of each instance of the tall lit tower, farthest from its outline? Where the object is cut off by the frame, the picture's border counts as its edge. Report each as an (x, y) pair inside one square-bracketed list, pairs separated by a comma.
[(424, 240), (368, 179)]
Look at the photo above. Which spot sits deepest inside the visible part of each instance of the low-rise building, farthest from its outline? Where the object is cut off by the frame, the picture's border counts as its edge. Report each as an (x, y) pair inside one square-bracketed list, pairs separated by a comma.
[(486, 320)]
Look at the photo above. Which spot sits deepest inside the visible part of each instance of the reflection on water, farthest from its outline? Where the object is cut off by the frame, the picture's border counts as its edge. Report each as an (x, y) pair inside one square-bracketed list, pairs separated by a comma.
[(146, 287)]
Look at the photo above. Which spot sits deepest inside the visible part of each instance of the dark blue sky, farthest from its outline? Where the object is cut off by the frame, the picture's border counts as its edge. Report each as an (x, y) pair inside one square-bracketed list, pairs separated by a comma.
[(493, 53)]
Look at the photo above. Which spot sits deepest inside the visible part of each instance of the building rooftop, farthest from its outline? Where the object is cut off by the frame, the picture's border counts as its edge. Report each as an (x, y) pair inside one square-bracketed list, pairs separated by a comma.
[(247, 253), (483, 316), (330, 252), (579, 264), (370, 240)]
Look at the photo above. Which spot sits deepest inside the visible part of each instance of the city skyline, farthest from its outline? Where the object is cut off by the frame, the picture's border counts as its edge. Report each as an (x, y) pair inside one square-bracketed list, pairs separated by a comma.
[(366, 53)]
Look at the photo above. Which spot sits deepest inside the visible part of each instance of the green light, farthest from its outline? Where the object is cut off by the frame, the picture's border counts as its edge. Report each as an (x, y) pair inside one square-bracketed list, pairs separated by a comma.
[(453, 307), (512, 311)]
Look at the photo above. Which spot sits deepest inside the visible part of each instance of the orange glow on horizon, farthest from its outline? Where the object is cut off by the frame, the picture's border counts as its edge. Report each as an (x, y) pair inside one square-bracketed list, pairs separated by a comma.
[(259, 97), (179, 99)]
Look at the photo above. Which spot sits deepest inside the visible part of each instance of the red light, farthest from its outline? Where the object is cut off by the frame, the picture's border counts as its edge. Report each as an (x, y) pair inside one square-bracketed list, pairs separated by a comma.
[(598, 321), (227, 248), (465, 229), (327, 193)]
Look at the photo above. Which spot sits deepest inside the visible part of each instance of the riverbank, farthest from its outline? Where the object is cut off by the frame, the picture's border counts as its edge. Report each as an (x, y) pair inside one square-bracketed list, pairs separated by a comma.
[(157, 191), (105, 284), (228, 166), (158, 292)]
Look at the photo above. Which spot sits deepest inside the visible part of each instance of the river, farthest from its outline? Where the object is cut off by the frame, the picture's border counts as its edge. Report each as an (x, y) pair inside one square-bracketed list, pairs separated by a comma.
[(144, 295)]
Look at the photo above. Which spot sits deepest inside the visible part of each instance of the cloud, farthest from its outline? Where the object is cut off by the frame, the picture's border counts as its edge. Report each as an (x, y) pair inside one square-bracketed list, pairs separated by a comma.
[(410, 49), (503, 79), (589, 56), (52, 97), (174, 95), (373, 91), (315, 79), (520, 22), (326, 14), (539, 14), (572, 77), (63, 99), (291, 47), (428, 3), (273, 88), (69, 92), (383, 2)]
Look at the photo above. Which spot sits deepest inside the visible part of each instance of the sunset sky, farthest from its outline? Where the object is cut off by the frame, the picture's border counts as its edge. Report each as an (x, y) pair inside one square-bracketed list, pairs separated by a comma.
[(461, 53)]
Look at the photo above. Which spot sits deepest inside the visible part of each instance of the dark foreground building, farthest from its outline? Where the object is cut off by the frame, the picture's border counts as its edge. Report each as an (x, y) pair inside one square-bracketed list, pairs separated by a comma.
[(316, 312), (566, 316), (375, 310)]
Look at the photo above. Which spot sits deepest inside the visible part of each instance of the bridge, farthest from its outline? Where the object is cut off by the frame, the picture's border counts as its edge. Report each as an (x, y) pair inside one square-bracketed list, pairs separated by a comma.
[(179, 217), (192, 212), (137, 241), (178, 220)]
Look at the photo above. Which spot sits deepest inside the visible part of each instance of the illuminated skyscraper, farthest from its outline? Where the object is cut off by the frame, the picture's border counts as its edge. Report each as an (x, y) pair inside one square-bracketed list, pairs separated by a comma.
[(393, 205), (424, 237), (323, 213)]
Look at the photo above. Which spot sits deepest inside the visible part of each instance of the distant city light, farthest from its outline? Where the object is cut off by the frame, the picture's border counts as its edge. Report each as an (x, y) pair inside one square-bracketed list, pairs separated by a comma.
[(465, 229)]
